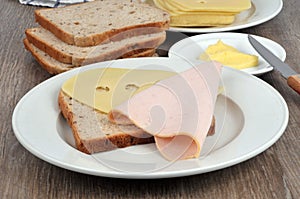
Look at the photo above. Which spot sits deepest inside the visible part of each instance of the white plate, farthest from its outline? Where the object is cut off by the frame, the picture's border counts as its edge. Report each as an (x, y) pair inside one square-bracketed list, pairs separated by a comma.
[(250, 116), (192, 47), (260, 12)]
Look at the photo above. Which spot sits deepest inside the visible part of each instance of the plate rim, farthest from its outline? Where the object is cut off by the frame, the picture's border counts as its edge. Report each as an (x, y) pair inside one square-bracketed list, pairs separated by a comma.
[(156, 175), (277, 10), (174, 48)]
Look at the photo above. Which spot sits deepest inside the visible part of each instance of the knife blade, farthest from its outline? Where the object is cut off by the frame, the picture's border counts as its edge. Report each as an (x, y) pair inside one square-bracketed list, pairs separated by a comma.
[(293, 79)]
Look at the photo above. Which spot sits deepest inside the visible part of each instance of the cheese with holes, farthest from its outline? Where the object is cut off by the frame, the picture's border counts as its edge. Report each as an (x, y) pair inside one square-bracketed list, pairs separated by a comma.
[(105, 88)]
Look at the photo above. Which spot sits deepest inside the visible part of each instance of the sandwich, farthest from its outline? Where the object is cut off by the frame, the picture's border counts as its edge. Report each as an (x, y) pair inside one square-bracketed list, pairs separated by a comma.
[(112, 108)]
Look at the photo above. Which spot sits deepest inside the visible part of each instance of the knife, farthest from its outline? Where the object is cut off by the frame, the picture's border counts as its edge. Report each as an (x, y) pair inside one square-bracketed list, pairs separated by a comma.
[(293, 79)]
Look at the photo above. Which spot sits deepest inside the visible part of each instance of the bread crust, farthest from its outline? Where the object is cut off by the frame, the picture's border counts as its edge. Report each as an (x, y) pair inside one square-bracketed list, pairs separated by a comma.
[(63, 57), (53, 68), (45, 23)]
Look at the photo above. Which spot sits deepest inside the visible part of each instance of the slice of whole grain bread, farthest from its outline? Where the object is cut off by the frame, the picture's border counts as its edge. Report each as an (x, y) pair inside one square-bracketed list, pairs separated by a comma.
[(106, 18), (93, 132), (55, 67), (78, 56)]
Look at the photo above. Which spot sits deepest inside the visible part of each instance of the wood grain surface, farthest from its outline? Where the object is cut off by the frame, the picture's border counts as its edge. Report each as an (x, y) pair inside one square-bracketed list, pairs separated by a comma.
[(272, 174)]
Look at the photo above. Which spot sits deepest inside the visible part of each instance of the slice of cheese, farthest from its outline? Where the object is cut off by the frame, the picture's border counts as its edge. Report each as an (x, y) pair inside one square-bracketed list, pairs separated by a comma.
[(189, 20), (165, 5), (182, 18), (209, 5), (189, 13), (175, 10), (177, 111), (229, 56), (105, 88)]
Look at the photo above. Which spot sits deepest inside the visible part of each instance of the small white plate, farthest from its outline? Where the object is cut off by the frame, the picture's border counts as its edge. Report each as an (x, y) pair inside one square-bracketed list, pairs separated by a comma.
[(250, 117), (260, 12), (192, 47)]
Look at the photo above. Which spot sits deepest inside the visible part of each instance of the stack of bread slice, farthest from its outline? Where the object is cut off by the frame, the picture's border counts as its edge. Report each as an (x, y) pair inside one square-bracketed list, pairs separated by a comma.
[(90, 32), (188, 13)]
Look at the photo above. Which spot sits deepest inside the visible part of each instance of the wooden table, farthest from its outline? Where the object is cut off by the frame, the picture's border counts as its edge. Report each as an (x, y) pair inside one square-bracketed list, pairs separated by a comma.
[(273, 174)]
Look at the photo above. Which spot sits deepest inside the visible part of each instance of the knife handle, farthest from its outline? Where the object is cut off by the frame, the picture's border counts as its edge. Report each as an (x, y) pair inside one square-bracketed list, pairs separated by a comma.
[(294, 82)]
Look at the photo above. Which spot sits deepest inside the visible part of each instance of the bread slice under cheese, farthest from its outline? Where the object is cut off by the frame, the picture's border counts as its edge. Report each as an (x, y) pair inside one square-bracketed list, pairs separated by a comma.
[(92, 130)]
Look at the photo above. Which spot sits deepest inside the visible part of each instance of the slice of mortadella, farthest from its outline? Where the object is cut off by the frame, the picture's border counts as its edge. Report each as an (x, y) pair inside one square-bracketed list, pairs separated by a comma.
[(177, 111)]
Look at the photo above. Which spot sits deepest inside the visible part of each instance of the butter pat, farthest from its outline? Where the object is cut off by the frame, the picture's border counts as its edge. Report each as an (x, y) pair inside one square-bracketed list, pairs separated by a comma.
[(229, 56), (104, 88)]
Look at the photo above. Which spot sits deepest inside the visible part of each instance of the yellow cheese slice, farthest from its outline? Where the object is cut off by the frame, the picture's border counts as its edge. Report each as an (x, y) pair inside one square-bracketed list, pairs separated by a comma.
[(105, 88), (229, 56), (190, 20), (164, 5), (209, 5)]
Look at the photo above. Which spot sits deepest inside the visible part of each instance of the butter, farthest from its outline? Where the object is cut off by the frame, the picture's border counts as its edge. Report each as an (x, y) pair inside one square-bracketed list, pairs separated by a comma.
[(105, 88), (229, 56)]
